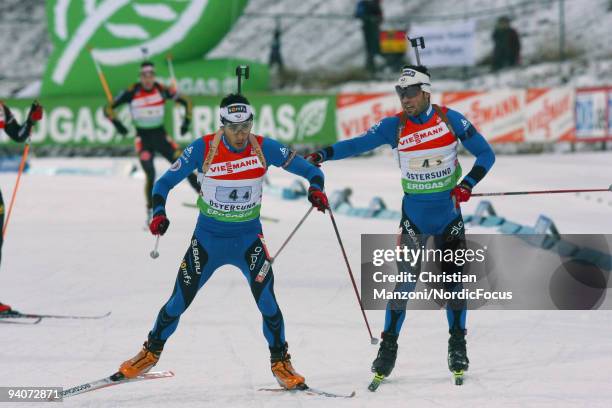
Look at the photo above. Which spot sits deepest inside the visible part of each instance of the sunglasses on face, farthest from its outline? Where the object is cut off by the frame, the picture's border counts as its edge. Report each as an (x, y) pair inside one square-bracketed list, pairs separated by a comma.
[(239, 127), (408, 92)]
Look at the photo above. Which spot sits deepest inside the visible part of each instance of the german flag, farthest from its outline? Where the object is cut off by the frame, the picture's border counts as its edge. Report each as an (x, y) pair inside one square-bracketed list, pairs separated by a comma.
[(393, 42)]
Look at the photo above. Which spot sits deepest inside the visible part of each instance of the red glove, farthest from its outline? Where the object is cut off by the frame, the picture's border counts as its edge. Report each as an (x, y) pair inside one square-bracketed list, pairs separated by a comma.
[(36, 112), (159, 224), (461, 193), (318, 199), (315, 158)]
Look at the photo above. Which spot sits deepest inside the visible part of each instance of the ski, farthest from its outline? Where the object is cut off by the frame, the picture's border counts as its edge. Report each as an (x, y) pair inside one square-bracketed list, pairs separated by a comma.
[(458, 377), (114, 379), (309, 391), (376, 381), (13, 314), (34, 321)]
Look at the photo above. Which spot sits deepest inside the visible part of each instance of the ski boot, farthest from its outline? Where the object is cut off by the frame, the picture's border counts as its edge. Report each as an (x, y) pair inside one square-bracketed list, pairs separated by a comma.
[(282, 369), (385, 360), (5, 309), (144, 360), (458, 361)]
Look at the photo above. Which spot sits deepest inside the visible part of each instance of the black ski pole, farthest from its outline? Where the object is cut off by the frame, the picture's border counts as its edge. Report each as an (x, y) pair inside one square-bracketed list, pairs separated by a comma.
[(373, 340), (506, 193), (291, 235), (268, 263)]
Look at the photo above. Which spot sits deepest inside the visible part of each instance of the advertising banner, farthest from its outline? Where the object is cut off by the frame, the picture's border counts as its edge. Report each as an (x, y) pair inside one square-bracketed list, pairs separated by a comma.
[(592, 107), (80, 121), (609, 112), (356, 113), (121, 33), (550, 115), (447, 45), (499, 115)]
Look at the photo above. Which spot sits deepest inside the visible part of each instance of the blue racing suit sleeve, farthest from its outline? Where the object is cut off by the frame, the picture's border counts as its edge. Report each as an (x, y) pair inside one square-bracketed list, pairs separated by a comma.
[(190, 160), (476, 144), (279, 155), (383, 132)]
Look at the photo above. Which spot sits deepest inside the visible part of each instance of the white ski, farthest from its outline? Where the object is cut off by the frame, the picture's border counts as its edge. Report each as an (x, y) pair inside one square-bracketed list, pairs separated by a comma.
[(114, 379)]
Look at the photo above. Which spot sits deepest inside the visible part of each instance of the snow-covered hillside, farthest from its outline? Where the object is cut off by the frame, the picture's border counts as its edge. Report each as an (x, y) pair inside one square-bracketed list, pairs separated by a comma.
[(330, 39), (25, 44), (337, 44)]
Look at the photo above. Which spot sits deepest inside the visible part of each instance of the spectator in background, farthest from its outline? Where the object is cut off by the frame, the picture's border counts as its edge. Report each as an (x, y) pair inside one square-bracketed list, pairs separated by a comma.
[(507, 45), (276, 57), (371, 16)]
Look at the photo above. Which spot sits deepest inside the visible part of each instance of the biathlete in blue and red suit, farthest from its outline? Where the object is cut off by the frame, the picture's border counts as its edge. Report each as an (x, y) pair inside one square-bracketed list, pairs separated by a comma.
[(424, 138), (231, 166), (20, 134)]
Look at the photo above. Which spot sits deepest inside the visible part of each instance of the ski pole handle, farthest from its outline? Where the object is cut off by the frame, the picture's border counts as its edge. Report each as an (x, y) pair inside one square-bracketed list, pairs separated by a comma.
[(240, 71), (415, 43)]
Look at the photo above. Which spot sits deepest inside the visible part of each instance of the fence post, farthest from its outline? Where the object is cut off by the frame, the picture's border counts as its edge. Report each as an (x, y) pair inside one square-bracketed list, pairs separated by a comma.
[(562, 30)]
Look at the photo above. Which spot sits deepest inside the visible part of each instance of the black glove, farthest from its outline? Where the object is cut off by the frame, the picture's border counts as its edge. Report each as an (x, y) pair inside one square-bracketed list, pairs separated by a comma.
[(119, 126), (108, 112), (185, 126)]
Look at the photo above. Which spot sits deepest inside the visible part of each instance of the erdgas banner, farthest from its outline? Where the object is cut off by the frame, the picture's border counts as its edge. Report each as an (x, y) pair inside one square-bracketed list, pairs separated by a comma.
[(120, 32), (80, 121)]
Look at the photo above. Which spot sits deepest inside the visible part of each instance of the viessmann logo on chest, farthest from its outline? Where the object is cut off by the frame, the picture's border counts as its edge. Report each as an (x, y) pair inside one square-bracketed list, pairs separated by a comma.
[(139, 101), (424, 135), (231, 167)]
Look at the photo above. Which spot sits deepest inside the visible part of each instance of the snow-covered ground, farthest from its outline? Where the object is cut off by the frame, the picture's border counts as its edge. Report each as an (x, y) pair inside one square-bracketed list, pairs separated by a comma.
[(76, 244)]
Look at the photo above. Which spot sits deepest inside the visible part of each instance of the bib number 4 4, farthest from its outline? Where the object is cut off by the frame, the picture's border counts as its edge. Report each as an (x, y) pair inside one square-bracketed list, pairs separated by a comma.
[(233, 194)]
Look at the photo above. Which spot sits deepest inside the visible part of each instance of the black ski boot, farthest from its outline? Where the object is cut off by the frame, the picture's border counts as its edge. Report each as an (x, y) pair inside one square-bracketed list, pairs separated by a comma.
[(387, 353), (385, 360), (458, 361)]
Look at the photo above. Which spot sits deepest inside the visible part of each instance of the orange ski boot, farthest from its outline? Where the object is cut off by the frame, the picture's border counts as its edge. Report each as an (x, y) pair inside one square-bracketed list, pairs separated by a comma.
[(282, 369), (143, 361)]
